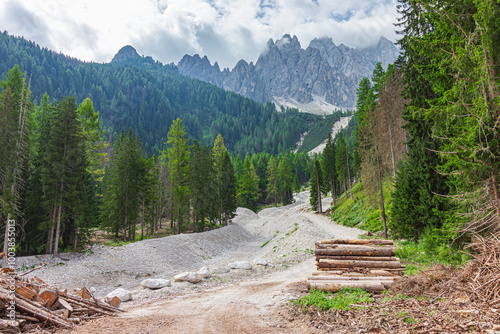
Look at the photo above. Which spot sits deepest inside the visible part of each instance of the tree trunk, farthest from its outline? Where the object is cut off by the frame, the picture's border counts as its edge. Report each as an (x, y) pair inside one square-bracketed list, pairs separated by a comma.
[(318, 189), (142, 221), (58, 226), (50, 237), (382, 206), (348, 172), (334, 195)]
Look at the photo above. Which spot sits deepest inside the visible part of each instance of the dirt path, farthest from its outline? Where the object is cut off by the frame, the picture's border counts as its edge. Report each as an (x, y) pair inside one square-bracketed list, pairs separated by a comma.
[(247, 303)]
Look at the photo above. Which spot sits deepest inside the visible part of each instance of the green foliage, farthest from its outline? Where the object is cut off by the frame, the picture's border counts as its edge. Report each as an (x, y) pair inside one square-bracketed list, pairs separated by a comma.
[(316, 187), (319, 130), (342, 300)]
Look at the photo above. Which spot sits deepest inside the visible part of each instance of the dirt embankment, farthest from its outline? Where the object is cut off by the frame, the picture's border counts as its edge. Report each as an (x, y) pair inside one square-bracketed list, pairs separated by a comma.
[(240, 301)]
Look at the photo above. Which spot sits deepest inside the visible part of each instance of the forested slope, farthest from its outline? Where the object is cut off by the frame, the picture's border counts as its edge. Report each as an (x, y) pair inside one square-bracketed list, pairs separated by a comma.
[(146, 95)]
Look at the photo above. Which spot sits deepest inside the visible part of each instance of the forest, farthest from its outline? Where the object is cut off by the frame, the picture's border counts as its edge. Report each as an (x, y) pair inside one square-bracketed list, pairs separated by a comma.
[(426, 152)]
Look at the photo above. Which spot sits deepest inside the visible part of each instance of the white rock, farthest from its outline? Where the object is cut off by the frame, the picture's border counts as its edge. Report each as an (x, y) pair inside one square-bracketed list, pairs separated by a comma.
[(121, 293), (155, 283), (220, 270), (240, 265), (194, 278), (260, 262), (204, 272), (181, 277)]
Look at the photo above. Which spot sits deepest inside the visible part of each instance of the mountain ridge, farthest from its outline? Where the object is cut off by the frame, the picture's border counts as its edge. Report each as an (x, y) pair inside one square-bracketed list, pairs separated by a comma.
[(320, 78)]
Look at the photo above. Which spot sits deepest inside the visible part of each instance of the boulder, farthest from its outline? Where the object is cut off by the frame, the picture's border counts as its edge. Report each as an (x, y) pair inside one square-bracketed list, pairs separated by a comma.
[(189, 277), (122, 294), (260, 262), (204, 272), (155, 283), (181, 277), (240, 265), (194, 278)]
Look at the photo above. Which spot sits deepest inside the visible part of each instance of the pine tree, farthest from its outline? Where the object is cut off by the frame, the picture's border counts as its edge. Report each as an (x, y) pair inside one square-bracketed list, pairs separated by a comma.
[(229, 190), (316, 188), (248, 190), (178, 157), (329, 170), (272, 180)]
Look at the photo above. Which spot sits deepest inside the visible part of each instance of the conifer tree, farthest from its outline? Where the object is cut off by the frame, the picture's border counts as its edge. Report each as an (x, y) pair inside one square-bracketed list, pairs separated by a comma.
[(178, 157), (329, 169), (229, 190), (272, 180), (316, 188), (285, 178), (248, 190)]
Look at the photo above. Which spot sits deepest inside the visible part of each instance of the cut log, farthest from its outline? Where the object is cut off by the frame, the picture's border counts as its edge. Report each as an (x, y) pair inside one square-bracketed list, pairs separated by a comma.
[(371, 287), (357, 264), (359, 258), (42, 314), (49, 296), (371, 251), (115, 302), (26, 292), (84, 293), (351, 278), (66, 305), (357, 242)]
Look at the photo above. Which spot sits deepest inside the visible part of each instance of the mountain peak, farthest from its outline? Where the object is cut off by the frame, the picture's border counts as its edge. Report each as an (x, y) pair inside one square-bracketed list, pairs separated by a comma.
[(126, 52)]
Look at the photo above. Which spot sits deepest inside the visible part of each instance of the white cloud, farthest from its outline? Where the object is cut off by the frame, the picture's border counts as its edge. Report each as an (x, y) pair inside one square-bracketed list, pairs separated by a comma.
[(224, 30)]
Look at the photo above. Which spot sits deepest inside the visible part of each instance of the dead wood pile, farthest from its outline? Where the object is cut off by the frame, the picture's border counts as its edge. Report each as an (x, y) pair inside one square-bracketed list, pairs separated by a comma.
[(37, 303), (357, 263), (478, 281)]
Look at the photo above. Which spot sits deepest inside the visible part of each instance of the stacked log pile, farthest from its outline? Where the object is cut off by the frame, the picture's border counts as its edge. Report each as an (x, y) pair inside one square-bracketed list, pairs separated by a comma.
[(38, 303), (367, 264)]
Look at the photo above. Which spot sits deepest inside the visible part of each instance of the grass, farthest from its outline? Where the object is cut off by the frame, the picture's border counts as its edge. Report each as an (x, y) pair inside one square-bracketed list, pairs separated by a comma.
[(346, 299), (357, 212)]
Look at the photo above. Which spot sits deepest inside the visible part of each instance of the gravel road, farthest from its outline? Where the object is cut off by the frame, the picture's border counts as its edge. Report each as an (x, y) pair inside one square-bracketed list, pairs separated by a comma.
[(241, 301)]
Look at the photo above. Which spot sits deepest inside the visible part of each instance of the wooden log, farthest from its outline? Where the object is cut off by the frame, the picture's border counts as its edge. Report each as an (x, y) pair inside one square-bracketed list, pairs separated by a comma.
[(371, 251), (84, 293), (352, 278), (371, 287), (26, 292), (87, 302), (115, 302), (49, 296), (95, 308), (357, 242), (357, 264), (358, 258), (42, 314)]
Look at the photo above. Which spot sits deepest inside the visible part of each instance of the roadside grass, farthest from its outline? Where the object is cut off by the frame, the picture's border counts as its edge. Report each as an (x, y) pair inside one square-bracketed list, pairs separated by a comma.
[(346, 299)]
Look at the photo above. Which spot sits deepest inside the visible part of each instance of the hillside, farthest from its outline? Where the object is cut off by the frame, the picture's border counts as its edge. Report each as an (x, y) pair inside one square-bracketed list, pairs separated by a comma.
[(138, 92)]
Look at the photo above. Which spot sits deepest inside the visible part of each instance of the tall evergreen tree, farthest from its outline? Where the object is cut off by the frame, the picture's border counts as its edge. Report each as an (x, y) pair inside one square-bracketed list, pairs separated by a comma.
[(248, 190), (272, 180), (316, 188), (229, 190), (285, 177), (178, 157), (329, 170)]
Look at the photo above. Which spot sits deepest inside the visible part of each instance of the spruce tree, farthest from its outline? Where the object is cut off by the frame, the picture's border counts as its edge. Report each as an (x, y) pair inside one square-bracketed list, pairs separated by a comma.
[(329, 169), (272, 180), (316, 188)]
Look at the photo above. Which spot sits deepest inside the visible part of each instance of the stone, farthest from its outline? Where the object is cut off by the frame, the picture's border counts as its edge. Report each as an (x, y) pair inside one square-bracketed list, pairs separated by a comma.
[(121, 293), (204, 272), (155, 283), (240, 265), (181, 277), (194, 278), (260, 262)]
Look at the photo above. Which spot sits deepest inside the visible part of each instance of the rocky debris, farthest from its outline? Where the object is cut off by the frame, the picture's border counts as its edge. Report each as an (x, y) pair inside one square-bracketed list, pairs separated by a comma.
[(220, 270), (204, 272), (123, 294), (240, 265), (190, 277), (260, 262), (288, 74), (155, 283)]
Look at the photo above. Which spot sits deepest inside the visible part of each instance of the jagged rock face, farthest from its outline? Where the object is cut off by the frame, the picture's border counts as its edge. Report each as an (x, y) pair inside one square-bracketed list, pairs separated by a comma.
[(286, 72), (125, 53)]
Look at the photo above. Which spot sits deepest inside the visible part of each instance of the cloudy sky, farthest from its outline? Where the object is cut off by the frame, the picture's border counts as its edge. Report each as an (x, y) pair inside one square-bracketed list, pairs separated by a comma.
[(224, 30)]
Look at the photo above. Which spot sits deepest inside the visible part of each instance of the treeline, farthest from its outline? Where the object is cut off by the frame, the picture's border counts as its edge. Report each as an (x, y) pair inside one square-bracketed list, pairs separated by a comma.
[(429, 125), (149, 96)]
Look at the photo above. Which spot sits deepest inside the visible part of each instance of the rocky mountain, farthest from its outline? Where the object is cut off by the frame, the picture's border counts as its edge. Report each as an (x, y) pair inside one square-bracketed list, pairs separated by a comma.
[(317, 79), (125, 53)]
